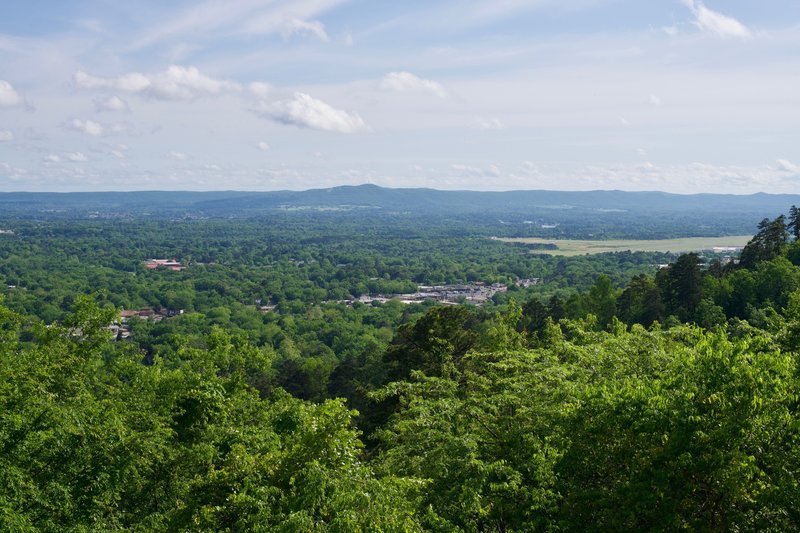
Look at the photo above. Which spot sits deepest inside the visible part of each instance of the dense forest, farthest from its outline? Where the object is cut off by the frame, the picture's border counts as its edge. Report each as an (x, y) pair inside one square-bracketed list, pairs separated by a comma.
[(622, 391)]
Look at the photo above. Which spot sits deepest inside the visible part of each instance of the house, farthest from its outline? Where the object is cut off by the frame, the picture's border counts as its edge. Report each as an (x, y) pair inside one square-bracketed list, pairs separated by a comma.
[(171, 264), (128, 313), (120, 331)]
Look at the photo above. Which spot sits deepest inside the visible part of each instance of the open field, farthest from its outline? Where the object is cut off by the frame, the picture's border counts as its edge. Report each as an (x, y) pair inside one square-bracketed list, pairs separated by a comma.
[(571, 247)]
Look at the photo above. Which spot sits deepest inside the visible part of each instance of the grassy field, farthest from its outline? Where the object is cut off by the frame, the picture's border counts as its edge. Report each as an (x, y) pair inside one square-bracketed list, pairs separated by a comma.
[(579, 247)]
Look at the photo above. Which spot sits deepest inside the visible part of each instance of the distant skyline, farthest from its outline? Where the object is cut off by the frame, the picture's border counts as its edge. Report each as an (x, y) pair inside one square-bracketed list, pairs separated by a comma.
[(681, 96)]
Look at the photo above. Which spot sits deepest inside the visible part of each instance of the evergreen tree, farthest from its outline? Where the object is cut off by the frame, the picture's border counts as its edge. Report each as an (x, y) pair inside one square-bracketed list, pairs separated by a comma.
[(767, 244), (640, 302), (793, 224), (534, 316), (681, 285)]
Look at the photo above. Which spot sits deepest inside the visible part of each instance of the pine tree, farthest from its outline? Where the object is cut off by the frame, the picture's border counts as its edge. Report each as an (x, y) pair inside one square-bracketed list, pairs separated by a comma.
[(794, 222), (767, 244)]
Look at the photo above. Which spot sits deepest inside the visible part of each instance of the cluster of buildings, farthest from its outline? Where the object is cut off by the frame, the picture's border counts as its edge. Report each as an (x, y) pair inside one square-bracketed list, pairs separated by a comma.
[(170, 264), (730, 254), (122, 330), (148, 313), (476, 293), (726, 249)]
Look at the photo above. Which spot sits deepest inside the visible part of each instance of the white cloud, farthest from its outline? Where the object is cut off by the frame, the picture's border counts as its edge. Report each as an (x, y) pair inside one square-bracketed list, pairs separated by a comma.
[(212, 18), (111, 103), (118, 154), (16, 173), (406, 81), (488, 124), (293, 26), (9, 97), (656, 100), (178, 156), (174, 83), (133, 82), (785, 165), (53, 158), (259, 89), (263, 146), (6, 136), (672, 31), (715, 22), (76, 157), (88, 127), (307, 112), (491, 171), (117, 128), (683, 178)]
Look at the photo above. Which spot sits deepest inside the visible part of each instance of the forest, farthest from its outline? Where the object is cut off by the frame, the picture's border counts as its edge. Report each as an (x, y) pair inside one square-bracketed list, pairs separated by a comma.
[(621, 391)]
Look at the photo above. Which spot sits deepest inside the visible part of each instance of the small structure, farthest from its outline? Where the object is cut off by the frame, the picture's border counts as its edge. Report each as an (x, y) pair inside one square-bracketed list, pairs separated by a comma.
[(120, 331), (122, 328), (171, 264), (148, 313), (128, 313)]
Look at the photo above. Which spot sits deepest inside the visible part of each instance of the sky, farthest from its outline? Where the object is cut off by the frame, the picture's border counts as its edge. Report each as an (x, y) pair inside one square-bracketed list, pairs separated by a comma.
[(682, 96)]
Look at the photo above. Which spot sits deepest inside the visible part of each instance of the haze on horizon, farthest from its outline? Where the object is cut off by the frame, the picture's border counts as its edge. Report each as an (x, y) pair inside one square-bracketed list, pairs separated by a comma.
[(675, 95)]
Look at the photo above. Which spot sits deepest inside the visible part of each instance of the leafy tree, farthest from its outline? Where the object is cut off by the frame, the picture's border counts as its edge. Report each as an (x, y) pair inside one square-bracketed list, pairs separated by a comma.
[(437, 340), (774, 281), (486, 441), (556, 309), (694, 443), (710, 315), (534, 317), (602, 300), (91, 439)]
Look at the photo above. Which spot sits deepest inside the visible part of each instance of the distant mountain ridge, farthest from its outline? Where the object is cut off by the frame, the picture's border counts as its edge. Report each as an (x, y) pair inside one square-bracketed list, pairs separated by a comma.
[(419, 200), (527, 213)]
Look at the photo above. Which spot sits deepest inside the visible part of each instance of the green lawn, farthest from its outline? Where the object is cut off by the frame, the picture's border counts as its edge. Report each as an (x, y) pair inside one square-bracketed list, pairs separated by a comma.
[(580, 247)]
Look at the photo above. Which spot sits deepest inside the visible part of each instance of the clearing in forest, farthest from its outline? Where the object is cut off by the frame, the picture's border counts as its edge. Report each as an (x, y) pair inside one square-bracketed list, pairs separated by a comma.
[(570, 247)]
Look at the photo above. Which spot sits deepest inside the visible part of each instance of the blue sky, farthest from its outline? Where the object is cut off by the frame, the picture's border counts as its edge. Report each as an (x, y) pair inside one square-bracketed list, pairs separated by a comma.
[(675, 95)]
